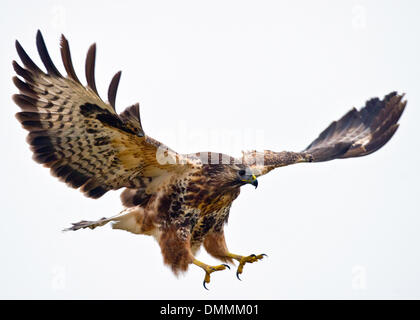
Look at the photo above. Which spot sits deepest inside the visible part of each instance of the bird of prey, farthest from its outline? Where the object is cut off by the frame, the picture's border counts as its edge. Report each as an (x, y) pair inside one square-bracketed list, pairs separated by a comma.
[(182, 200)]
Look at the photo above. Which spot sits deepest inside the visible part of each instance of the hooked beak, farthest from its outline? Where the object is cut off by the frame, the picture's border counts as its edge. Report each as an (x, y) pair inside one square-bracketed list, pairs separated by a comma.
[(253, 180), (255, 183)]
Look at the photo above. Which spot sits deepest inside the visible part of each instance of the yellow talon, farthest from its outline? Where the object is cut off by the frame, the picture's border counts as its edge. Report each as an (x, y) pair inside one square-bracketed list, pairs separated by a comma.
[(242, 260), (209, 269)]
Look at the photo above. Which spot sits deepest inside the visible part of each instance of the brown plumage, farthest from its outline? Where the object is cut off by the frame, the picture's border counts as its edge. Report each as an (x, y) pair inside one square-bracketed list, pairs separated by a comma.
[(181, 200)]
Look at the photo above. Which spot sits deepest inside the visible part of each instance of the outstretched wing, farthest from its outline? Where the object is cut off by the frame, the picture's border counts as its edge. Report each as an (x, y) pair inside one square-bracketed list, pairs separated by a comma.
[(357, 133), (78, 135)]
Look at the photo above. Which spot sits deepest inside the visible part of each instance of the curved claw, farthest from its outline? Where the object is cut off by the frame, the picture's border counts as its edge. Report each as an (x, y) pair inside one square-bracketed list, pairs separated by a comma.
[(204, 285), (209, 270), (249, 259)]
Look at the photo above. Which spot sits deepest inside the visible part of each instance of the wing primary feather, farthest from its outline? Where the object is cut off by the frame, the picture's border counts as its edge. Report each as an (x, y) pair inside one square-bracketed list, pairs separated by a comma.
[(90, 68), (381, 140), (66, 57), (136, 111), (24, 73), (26, 60), (113, 87), (45, 57), (131, 118), (24, 102), (24, 88)]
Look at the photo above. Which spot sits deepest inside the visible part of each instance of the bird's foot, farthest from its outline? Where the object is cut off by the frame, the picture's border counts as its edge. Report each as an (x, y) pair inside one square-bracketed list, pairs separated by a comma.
[(209, 270), (243, 260)]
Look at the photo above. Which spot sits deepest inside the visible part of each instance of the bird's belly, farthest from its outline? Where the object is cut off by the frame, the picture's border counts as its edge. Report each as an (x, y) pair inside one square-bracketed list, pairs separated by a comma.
[(207, 223)]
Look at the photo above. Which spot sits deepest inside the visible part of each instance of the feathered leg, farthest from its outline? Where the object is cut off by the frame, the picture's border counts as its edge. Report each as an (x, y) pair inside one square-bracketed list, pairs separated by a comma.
[(178, 254), (215, 245)]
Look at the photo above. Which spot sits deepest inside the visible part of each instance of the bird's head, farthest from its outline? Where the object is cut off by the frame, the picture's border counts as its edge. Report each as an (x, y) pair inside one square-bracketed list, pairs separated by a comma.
[(237, 176), (231, 174), (246, 176)]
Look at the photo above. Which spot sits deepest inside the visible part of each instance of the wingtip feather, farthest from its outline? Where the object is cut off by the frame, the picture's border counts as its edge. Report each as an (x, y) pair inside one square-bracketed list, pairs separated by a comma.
[(45, 56), (113, 87), (90, 68), (66, 59)]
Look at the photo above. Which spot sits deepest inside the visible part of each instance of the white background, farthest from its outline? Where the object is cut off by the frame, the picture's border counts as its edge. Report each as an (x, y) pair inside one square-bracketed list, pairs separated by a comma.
[(216, 75)]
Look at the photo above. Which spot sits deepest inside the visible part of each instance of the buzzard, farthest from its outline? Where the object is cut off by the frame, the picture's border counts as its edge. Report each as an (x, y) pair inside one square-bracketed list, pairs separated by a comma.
[(182, 200)]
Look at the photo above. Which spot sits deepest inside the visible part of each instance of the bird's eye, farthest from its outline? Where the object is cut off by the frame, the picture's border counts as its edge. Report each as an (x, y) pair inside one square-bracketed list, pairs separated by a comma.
[(241, 172)]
